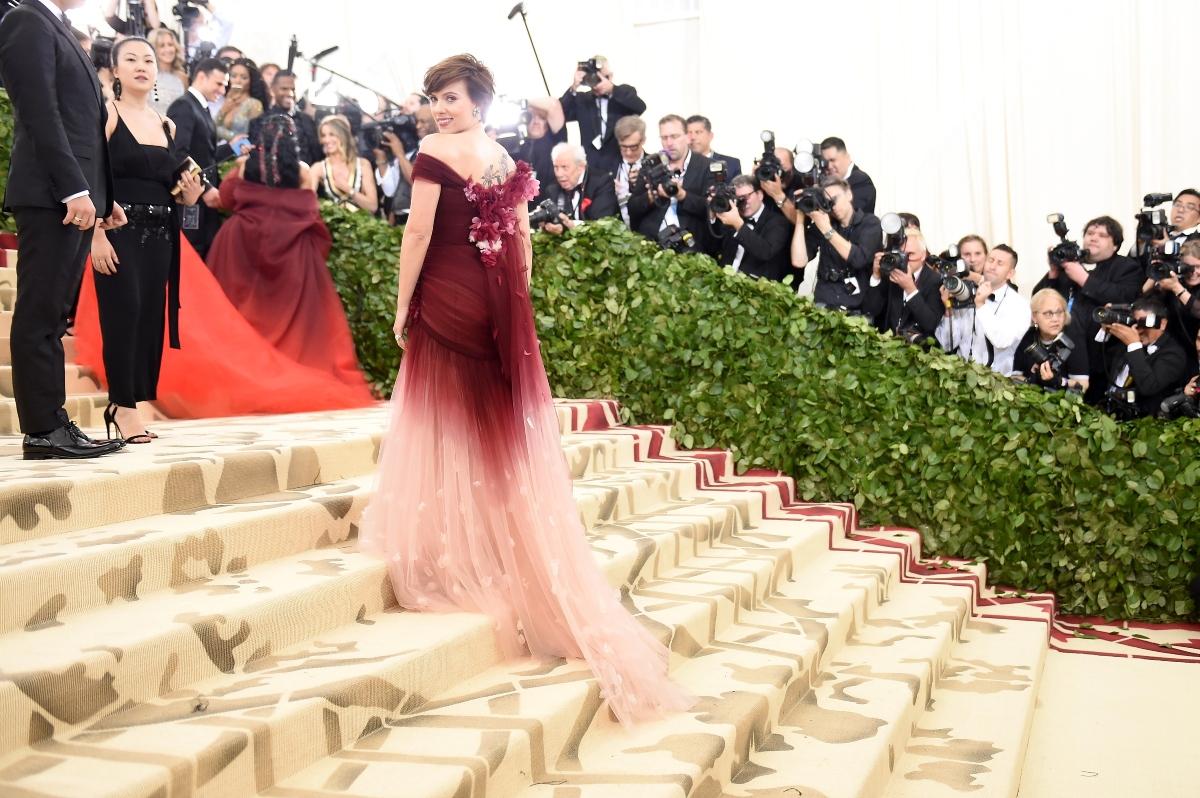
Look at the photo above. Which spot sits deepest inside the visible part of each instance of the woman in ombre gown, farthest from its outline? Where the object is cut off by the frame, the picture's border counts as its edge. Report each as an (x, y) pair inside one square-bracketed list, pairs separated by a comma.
[(474, 509)]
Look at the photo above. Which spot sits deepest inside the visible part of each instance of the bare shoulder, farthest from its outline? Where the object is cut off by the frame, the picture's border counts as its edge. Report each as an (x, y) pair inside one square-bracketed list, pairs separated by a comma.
[(501, 165), (434, 144)]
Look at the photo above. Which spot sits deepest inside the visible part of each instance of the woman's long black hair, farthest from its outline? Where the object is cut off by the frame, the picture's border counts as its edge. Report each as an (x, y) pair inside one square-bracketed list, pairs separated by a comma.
[(275, 159)]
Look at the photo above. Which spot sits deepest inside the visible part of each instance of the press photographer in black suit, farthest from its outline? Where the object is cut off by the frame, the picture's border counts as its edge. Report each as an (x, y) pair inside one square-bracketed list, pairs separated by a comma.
[(196, 136), (906, 302), (581, 192), (652, 209), (1115, 279), (597, 112), (700, 136), (847, 240), (1148, 365), (842, 166), (753, 236), (59, 187)]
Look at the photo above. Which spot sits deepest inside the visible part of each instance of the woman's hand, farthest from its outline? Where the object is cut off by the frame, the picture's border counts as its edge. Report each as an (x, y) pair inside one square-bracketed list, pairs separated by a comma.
[(104, 257), (1045, 371), (398, 327), (190, 188)]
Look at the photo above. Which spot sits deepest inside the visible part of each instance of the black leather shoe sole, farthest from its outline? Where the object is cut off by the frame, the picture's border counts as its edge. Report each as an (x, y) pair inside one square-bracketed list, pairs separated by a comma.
[(82, 453)]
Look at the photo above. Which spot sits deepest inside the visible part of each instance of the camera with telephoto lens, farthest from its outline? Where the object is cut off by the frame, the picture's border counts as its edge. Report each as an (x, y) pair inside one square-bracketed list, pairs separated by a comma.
[(721, 196), (1066, 251), (811, 199), (1121, 403), (1116, 314), (768, 167), (402, 126), (675, 238), (591, 73), (894, 257), (809, 163), (655, 172), (546, 211), (1180, 405)]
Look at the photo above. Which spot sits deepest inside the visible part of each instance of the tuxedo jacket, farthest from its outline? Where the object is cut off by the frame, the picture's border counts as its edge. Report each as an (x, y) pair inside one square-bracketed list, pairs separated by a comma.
[(597, 199), (645, 216), (885, 303), (1155, 375), (196, 135), (58, 147), (765, 246), (863, 189), (733, 166), (582, 107)]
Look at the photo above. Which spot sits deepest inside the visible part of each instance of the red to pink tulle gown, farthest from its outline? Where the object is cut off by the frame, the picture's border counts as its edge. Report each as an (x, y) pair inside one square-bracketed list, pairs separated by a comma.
[(474, 509)]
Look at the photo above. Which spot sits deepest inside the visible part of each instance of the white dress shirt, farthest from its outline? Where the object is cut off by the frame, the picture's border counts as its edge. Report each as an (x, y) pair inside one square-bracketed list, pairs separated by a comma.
[(672, 215), (999, 326)]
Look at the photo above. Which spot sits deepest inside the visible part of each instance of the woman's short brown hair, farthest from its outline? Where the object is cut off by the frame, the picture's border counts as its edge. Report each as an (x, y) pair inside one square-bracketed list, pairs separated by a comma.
[(481, 86)]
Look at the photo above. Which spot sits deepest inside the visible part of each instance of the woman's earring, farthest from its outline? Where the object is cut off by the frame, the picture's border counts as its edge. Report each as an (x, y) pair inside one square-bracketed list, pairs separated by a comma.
[(475, 112), (156, 91), (116, 88)]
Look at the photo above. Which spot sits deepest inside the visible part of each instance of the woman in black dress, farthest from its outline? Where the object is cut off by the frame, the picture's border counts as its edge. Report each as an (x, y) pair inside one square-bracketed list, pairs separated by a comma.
[(1050, 320), (134, 265)]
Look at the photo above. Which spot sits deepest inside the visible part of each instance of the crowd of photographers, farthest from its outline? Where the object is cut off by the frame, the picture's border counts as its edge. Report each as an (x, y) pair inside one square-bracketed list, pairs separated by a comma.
[(1121, 329)]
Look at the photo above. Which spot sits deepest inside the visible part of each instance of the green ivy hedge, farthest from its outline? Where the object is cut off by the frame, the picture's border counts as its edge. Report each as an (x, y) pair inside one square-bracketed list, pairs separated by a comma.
[(1052, 494), (6, 138)]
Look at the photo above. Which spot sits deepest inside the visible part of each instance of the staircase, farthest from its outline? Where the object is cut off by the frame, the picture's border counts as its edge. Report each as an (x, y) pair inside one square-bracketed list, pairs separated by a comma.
[(191, 618)]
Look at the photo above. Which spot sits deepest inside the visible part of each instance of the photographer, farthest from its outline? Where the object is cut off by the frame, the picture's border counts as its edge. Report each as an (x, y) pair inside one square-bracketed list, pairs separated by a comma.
[(1185, 287), (203, 24), (905, 302), (1000, 315), (847, 240), (123, 25), (581, 192), (841, 166), (546, 130), (394, 173), (598, 110), (1150, 366), (653, 208), (959, 321), (782, 189), (631, 139), (753, 236), (1114, 279), (700, 136), (1059, 362)]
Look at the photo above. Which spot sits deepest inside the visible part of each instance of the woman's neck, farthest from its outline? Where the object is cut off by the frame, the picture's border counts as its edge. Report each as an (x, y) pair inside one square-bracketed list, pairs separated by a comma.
[(134, 101)]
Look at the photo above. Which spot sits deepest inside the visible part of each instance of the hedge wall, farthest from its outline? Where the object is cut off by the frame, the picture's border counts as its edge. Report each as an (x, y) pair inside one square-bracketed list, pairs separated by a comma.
[(6, 137), (1052, 494)]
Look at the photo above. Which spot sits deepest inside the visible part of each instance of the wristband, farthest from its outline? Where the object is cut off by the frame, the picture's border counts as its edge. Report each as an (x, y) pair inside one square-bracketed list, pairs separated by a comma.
[(828, 234)]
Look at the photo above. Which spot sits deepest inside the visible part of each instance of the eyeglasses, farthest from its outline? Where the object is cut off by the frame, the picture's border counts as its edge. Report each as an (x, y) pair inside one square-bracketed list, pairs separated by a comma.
[(632, 147), (1051, 314), (1187, 206), (744, 197)]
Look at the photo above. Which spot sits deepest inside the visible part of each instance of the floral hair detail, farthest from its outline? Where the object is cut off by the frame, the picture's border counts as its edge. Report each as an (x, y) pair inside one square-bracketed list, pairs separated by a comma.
[(497, 206)]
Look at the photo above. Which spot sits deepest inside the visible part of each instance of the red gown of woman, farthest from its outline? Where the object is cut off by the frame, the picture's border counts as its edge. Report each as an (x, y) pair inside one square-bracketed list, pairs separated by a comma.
[(270, 256), (474, 508), (224, 367)]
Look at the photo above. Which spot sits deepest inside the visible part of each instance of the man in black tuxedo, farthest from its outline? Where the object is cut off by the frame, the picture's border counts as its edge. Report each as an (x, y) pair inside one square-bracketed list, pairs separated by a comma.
[(842, 166), (907, 302), (581, 192), (59, 187), (597, 112), (1144, 360), (283, 89), (753, 235), (1114, 279), (700, 135), (652, 209), (196, 136)]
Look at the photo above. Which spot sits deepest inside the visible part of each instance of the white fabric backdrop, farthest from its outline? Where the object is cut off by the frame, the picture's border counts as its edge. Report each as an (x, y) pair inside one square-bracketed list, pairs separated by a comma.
[(977, 115)]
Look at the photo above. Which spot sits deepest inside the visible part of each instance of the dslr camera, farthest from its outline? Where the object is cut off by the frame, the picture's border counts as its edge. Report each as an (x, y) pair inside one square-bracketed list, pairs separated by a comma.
[(655, 172), (1165, 262), (1056, 353), (813, 198), (676, 239), (546, 211), (768, 167), (954, 271), (721, 196), (810, 164), (591, 73), (402, 126), (1180, 405), (894, 257), (1118, 314), (1065, 251)]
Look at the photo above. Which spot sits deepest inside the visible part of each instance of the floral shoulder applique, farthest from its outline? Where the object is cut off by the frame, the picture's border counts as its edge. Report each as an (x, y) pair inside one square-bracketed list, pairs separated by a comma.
[(497, 206)]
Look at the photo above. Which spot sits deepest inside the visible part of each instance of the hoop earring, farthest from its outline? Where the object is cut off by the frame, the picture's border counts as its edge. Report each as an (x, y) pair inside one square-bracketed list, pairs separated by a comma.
[(116, 88)]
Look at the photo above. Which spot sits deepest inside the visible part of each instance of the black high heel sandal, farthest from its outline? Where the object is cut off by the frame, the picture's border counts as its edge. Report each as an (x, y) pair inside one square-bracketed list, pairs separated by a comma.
[(110, 423)]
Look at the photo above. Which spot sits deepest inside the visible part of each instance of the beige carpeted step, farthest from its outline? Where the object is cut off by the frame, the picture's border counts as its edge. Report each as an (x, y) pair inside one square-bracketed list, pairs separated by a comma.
[(8, 297), (8, 274), (85, 409), (5, 323), (6, 350), (78, 381)]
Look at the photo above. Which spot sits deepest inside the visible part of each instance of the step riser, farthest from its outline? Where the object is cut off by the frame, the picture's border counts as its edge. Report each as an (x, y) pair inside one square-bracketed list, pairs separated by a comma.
[(69, 350), (77, 380)]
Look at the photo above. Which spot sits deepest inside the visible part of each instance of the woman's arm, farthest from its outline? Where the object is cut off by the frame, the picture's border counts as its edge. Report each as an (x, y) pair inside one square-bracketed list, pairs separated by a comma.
[(799, 247), (526, 240), (367, 197), (414, 245), (316, 173)]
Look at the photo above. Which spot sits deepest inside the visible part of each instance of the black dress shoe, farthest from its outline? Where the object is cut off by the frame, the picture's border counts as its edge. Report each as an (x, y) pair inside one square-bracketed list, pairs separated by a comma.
[(62, 444), (82, 438)]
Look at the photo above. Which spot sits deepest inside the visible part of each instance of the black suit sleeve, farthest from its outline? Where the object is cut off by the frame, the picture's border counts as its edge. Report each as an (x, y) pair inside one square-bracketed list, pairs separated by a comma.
[(875, 301), (864, 193), (765, 242), (1155, 377), (185, 126), (604, 198), (1120, 283), (926, 307), (866, 240), (1061, 284), (28, 55), (696, 201), (624, 101)]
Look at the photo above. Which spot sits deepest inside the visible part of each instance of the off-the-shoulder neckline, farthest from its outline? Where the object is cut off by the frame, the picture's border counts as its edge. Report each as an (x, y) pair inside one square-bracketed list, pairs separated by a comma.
[(470, 180)]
